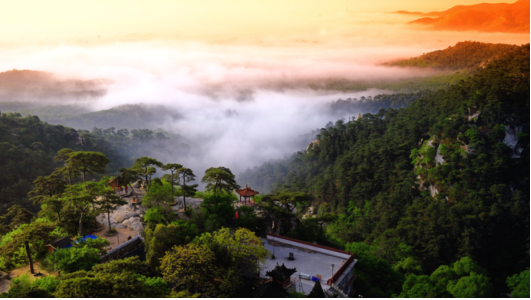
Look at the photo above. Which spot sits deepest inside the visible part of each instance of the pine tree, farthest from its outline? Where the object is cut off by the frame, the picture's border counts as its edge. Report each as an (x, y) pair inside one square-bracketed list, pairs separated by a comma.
[(317, 291)]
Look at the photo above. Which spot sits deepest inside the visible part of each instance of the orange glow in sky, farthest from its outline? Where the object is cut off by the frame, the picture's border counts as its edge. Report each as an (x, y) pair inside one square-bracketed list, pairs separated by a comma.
[(64, 20)]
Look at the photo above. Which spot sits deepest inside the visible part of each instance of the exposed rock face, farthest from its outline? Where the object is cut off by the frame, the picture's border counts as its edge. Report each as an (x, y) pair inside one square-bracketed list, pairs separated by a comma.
[(511, 136), (312, 144), (438, 157), (125, 216)]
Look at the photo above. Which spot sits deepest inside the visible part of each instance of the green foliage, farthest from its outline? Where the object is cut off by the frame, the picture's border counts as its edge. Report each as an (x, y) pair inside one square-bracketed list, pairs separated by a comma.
[(218, 210), (239, 248), (212, 265), (16, 215), (34, 236), (155, 215), (159, 196), (73, 259), (376, 277), (464, 279), (191, 268), (461, 56), (422, 286), (118, 279), (305, 231), (163, 238), (97, 243), (472, 286), (220, 179), (26, 287), (519, 284), (145, 166), (47, 283), (247, 218)]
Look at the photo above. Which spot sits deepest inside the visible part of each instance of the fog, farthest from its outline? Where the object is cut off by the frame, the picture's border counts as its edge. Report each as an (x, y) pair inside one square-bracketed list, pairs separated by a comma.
[(240, 102)]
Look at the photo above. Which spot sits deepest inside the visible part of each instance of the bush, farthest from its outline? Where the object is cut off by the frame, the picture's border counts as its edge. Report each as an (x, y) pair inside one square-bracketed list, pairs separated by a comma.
[(219, 211), (519, 284), (73, 259)]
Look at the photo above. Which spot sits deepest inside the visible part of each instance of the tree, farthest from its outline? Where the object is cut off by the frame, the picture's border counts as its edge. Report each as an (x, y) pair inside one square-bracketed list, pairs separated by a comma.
[(88, 162), (220, 179), (326, 218), (46, 190), (80, 198), (69, 260), (173, 169), (464, 278), (16, 215), (47, 186), (317, 291), (144, 165), (117, 279), (128, 176), (33, 236), (68, 169), (376, 277), (187, 175), (472, 286), (108, 201), (218, 210), (240, 248), (290, 200), (422, 286), (519, 284), (158, 196), (191, 268), (163, 238)]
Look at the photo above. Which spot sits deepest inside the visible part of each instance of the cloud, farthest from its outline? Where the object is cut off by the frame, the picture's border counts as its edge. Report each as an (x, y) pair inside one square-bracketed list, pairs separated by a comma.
[(240, 101)]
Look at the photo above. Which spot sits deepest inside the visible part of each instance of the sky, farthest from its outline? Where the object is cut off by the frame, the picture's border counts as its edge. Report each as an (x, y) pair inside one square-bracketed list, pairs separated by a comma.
[(30, 21)]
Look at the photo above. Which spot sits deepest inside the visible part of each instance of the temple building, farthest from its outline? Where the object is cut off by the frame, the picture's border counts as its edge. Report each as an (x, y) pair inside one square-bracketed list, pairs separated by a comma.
[(247, 193), (297, 265)]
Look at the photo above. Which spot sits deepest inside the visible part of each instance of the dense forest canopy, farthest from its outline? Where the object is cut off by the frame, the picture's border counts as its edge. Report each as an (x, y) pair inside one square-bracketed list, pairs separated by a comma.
[(464, 55), (448, 175), (28, 147)]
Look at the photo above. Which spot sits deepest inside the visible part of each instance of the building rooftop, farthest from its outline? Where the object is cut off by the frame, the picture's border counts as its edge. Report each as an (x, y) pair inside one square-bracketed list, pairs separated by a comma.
[(247, 192), (309, 259), (60, 243)]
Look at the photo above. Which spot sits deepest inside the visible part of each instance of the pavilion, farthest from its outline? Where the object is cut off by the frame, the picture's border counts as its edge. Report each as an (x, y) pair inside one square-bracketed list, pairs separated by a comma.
[(247, 193)]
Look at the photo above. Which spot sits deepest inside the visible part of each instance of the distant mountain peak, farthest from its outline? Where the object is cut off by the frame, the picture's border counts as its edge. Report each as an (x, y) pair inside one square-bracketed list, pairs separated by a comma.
[(485, 17)]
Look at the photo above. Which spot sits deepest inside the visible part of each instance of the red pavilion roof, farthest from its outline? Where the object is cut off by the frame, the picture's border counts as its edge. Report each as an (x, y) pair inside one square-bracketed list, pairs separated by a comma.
[(247, 192)]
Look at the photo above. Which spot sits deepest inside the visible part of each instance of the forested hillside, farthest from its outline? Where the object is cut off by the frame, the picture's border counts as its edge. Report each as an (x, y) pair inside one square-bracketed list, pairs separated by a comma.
[(28, 147), (464, 55), (373, 104), (80, 117), (448, 175), (440, 80), (27, 150)]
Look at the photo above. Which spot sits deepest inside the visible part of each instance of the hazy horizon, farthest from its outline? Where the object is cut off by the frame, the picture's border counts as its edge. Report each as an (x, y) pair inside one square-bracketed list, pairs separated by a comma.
[(259, 71)]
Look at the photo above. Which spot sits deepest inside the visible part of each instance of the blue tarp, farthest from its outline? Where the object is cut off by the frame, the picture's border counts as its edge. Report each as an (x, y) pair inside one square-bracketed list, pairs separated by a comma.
[(89, 236)]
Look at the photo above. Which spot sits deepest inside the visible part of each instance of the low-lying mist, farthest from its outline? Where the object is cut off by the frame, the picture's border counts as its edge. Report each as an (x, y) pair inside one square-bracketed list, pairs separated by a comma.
[(234, 104)]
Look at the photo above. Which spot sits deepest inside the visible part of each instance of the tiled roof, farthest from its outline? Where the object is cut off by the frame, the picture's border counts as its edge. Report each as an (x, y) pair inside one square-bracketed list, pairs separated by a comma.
[(60, 243), (247, 192)]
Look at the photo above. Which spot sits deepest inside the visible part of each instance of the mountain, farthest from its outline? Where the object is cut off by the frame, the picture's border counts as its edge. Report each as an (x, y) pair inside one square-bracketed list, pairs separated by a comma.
[(448, 175), (19, 85), (464, 55), (485, 17)]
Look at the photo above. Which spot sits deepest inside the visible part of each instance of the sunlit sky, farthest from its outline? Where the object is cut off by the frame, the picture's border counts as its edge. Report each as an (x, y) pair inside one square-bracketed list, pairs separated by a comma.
[(63, 20)]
